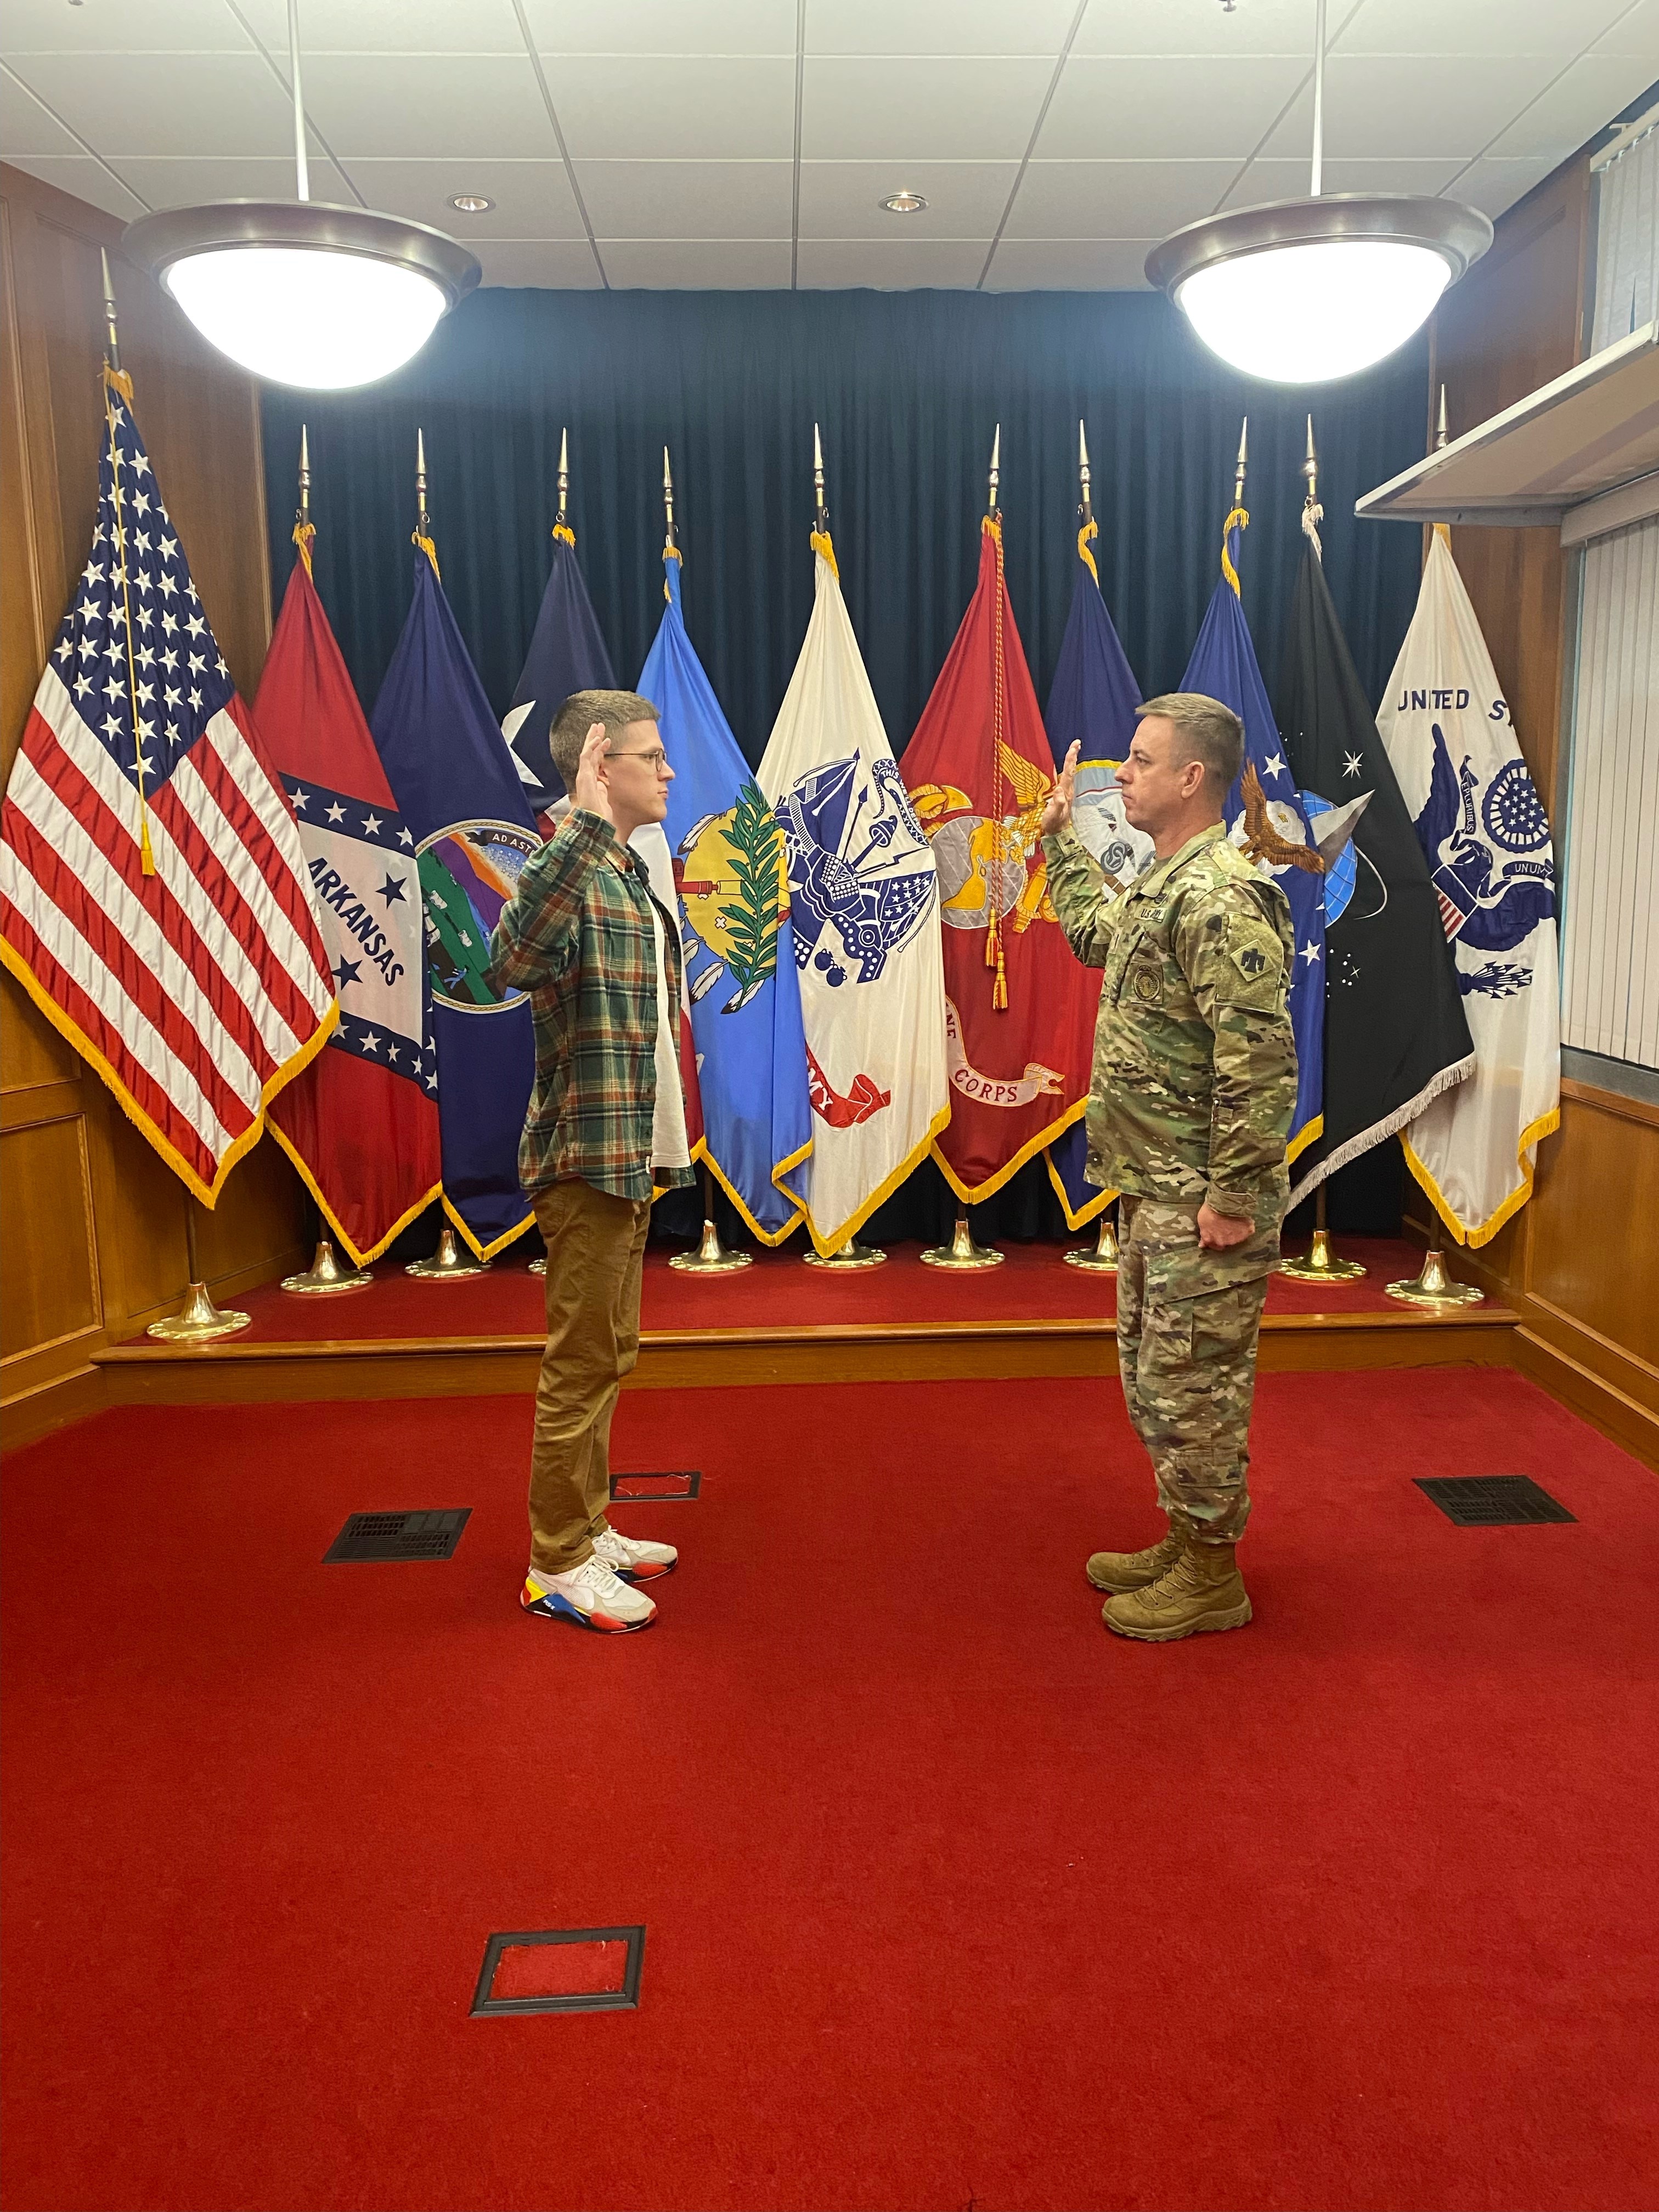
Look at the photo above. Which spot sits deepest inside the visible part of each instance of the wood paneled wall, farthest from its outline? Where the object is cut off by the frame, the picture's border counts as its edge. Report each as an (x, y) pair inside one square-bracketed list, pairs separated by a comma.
[(1581, 1262), (94, 1224)]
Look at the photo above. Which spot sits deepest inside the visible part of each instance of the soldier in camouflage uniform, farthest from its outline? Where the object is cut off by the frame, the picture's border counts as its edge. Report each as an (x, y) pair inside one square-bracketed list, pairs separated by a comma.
[(1189, 1107)]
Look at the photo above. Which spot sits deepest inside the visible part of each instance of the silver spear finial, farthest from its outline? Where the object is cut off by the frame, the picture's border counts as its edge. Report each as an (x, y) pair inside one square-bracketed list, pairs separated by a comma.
[(996, 469), (1312, 513)]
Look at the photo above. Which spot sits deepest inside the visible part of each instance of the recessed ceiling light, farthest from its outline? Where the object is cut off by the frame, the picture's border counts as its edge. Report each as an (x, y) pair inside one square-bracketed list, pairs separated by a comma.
[(471, 204), (905, 204)]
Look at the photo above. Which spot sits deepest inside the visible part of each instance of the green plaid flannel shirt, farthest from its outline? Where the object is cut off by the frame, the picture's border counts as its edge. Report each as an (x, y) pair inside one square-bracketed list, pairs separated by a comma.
[(577, 937)]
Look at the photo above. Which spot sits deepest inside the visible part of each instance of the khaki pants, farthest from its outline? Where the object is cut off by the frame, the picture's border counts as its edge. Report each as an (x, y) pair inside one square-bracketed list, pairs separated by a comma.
[(595, 1248)]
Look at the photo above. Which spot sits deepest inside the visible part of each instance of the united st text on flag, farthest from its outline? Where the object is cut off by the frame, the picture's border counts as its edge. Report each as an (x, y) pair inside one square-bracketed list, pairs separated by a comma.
[(1486, 838), (155, 899), (360, 1123)]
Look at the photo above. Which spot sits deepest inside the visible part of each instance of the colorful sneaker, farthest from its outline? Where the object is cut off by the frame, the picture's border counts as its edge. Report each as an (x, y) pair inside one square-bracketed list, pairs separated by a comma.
[(590, 1597), (631, 1559)]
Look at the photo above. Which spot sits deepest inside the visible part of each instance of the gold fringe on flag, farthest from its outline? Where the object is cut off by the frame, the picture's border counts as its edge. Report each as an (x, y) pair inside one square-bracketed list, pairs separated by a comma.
[(1240, 519)]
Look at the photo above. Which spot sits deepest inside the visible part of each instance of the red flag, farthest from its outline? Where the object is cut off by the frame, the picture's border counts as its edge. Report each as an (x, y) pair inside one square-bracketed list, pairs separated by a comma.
[(1019, 1005), (362, 1123)]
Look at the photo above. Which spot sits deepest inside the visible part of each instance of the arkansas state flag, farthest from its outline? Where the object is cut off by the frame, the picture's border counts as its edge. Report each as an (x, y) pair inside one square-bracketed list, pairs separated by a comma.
[(360, 1123), (1019, 1005)]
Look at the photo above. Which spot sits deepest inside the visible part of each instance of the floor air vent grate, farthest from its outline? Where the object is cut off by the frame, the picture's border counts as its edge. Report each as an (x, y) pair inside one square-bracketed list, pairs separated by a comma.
[(432, 1534), (1492, 1501)]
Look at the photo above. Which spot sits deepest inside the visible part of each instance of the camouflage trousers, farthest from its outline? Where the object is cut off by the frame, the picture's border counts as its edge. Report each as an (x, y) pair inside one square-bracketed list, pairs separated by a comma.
[(1187, 1325)]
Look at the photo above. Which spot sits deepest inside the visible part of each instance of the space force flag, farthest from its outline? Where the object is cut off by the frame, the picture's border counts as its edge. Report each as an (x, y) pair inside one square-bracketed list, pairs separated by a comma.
[(864, 913), (1265, 818), (731, 874), (1019, 1005), (1395, 1032), (1092, 703), (155, 900), (361, 1124), (462, 801), (1486, 840), (567, 653)]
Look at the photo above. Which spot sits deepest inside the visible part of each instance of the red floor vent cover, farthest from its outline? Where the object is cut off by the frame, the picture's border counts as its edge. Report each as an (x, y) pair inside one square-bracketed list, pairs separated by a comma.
[(561, 1970)]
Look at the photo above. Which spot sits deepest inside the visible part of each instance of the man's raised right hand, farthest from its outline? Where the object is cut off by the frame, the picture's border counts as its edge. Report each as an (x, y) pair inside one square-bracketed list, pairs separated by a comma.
[(590, 790)]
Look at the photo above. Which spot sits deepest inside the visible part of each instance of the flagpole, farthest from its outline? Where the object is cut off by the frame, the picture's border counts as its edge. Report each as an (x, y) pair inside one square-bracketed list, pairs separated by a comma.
[(561, 526), (1100, 1258)]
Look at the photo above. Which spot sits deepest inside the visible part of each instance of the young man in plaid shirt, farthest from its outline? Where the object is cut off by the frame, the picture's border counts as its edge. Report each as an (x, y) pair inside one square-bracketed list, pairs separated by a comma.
[(601, 962)]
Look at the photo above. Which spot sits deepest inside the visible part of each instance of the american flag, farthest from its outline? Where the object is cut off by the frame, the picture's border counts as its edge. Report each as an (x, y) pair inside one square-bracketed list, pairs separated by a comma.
[(153, 895)]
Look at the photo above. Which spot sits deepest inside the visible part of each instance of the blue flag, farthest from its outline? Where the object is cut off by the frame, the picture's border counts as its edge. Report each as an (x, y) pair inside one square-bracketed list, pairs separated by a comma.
[(1092, 701), (461, 798), (1224, 665), (731, 871), (567, 653)]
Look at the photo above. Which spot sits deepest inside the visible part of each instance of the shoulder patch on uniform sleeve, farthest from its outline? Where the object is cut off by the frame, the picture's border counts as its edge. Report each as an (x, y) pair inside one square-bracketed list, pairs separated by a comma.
[(1250, 972)]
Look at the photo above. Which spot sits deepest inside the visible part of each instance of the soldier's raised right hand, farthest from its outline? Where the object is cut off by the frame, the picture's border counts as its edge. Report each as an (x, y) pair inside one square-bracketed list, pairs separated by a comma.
[(1058, 812)]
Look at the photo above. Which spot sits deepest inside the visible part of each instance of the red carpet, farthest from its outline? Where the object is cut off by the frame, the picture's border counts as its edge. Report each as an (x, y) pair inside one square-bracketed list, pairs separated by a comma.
[(950, 1899), (779, 1290)]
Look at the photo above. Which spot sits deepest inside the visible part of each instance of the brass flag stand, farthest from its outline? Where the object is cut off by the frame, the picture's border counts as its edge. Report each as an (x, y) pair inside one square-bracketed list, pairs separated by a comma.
[(325, 1274), (1322, 1265), (449, 1263), (1433, 1286), (711, 1256), (201, 1319), (849, 1258), (961, 1253), (1101, 1258)]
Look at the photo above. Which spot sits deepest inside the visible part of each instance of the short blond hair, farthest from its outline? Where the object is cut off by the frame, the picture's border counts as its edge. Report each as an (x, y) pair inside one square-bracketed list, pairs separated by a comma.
[(614, 710), (1206, 731)]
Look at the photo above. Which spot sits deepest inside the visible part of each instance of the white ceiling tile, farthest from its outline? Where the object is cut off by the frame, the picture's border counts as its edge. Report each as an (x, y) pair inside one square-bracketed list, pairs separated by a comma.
[(1141, 108), (687, 199), (87, 178), (919, 110), (139, 27), (1200, 27), (1495, 187), (399, 105), (1476, 29), (1385, 107), (169, 180), (845, 264), (1636, 33), (1115, 199), (27, 129), (387, 26), (696, 264), (1265, 180), (645, 107), (559, 266), (166, 104), (662, 27), (937, 26), (533, 199), (844, 200), (1575, 107), (1028, 265)]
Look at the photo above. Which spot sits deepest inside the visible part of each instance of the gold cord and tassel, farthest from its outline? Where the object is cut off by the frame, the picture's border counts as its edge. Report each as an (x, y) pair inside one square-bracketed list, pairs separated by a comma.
[(1240, 519), (428, 546), (821, 544), (995, 956), (303, 534), (1090, 529)]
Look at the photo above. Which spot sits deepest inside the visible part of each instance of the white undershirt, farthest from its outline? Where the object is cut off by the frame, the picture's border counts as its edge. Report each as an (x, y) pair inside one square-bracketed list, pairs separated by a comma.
[(669, 1148)]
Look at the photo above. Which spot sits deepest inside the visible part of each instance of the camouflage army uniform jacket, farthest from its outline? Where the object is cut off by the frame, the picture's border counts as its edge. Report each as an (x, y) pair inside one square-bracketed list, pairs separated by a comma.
[(1194, 1085)]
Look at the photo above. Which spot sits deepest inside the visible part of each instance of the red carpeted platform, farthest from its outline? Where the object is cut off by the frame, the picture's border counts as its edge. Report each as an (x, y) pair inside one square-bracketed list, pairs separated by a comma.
[(950, 1899)]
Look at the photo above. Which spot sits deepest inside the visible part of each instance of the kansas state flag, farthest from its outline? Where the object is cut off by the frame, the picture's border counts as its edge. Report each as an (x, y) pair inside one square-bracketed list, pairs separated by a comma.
[(461, 797), (732, 875), (567, 653), (1093, 703), (1224, 665)]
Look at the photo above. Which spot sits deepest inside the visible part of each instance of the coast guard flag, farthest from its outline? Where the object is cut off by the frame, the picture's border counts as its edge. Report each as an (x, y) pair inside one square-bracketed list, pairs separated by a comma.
[(1092, 701), (463, 803), (567, 653), (1265, 817), (1486, 840), (1395, 1032), (153, 898), (361, 1124), (1019, 1004), (864, 913), (731, 873)]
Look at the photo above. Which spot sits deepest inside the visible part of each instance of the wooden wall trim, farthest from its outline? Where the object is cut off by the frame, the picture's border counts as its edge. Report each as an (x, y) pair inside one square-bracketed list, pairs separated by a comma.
[(1617, 1103)]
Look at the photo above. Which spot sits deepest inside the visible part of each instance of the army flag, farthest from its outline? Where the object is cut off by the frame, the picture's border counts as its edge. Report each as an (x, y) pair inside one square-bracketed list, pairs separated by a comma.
[(361, 1124), (1486, 838), (1092, 702), (731, 873), (864, 915), (1267, 819), (1019, 1004), (1396, 1037), (567, 653), (463, 803)]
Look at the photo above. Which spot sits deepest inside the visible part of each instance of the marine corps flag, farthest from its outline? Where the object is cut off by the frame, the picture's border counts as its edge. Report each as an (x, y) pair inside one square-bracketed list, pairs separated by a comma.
[(463, 803), (360, 1123), (1486, 838), (1019, 1005), (864, 913), (1395, 1032)]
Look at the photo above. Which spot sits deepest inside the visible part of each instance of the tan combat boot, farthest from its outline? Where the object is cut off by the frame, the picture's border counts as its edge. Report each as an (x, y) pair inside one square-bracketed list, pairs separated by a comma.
[(1201, 1591), (1132, 1571)]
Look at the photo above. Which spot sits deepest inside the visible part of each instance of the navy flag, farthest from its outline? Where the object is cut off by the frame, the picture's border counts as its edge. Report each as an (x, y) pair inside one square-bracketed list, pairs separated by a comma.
[(567, 653)]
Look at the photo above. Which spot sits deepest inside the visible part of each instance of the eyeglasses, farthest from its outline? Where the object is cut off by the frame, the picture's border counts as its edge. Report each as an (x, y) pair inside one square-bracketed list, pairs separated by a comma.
[(656, 760)]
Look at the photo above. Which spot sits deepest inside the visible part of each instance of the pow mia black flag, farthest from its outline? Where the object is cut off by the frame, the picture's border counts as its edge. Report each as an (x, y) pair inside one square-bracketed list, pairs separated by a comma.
[(1395, 1036)]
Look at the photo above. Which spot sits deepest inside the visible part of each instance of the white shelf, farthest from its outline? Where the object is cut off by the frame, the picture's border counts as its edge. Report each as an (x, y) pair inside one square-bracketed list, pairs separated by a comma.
[(1589, 434)]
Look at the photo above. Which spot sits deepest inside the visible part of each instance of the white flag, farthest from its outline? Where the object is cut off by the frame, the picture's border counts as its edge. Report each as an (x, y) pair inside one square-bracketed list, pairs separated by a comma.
[(1486, 839), (864, 901)]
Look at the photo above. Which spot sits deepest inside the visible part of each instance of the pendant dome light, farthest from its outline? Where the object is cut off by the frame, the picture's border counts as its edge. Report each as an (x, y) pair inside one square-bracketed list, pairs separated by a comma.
[(300, 291), (1302, 291)]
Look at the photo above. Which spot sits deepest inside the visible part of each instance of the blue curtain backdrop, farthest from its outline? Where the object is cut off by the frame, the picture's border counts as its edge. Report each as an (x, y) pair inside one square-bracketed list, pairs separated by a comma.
[(908, 388)]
